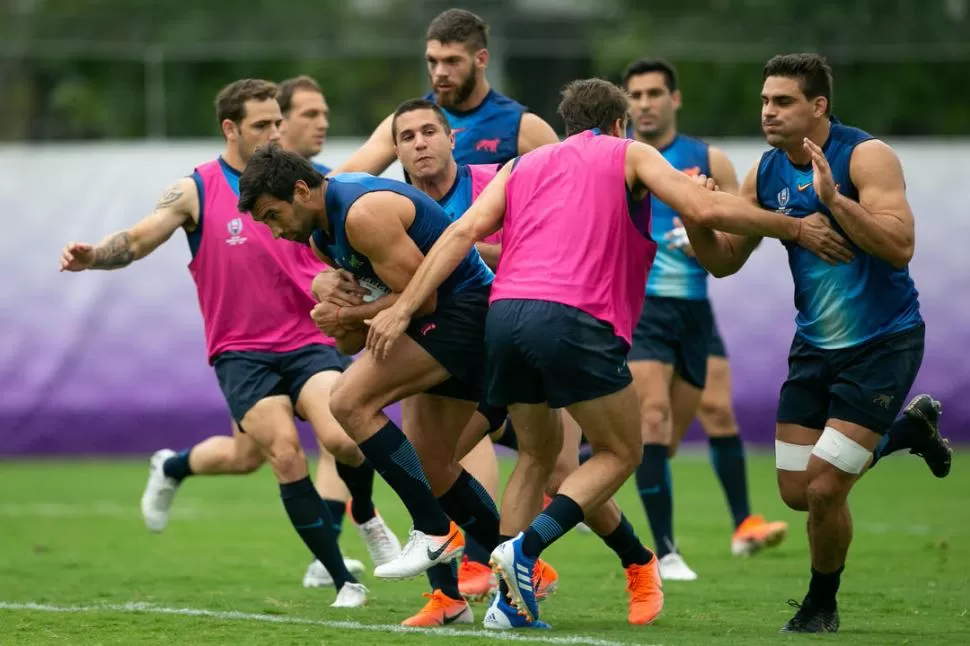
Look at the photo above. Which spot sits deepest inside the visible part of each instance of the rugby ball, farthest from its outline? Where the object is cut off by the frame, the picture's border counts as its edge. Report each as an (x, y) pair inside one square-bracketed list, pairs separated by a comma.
[(375, 289)]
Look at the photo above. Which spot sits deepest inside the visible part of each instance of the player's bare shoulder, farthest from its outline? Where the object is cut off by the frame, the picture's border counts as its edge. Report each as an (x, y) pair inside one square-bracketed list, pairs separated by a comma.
[(372, 213), (180, 201), (534, 132)]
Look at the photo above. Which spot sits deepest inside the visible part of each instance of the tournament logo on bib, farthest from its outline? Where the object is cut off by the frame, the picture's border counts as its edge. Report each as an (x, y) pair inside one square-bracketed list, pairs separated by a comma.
[(235, 227)]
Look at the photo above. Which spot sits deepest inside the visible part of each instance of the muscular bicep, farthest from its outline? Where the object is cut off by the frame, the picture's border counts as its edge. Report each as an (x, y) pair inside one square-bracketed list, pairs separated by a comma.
[(534, 132), (375, 155), (177, 207), (722, 170), (375, 228), (877, 174)]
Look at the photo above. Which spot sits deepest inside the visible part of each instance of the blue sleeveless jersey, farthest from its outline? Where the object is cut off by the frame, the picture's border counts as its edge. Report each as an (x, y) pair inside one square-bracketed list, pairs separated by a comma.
[(488, 134), (674, 273), (844, 305), (460, 196), (320, 168), (430, 220)]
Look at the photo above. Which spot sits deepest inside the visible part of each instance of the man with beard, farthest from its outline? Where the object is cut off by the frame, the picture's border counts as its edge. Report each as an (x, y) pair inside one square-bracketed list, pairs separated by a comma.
[(489, 128)]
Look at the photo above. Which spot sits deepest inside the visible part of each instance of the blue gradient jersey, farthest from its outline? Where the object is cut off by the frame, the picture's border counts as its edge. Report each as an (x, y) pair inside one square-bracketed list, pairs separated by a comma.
[(674, 273), (430, 220), (320, 168), (488, 134), (847, 304)]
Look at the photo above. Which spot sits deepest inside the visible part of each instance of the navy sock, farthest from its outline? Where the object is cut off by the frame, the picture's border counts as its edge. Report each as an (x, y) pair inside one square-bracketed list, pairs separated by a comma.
[(470, 506), (444, 577), (312, 521), (360, 484), (177, 467), (624, 541), (394, 457), (560, 516), (899, 436), (727, 456), (585, 453), (823, 588), (653, 483), (337, 508), (475, 551)]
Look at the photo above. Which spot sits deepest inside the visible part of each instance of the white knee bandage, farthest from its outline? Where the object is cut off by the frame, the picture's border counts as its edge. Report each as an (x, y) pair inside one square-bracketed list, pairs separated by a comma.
[(842, 452), (792, 457)]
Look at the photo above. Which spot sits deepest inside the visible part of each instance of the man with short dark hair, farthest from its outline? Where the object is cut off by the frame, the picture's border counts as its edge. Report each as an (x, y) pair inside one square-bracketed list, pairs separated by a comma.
[(269, 368), (376, 231), (670, 358), (304, 130), (859, 333)]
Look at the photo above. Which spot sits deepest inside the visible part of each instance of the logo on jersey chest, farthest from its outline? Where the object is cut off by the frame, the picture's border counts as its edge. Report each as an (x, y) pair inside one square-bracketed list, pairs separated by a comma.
[(235, 227), (487, 145)]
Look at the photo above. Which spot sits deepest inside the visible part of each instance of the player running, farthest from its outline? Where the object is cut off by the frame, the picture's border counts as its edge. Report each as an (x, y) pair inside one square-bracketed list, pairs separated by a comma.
[(859, 334)]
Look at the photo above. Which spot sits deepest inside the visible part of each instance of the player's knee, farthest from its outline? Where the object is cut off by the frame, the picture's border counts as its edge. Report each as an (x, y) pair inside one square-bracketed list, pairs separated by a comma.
[(655, 421), (343, 449), (248, 462), (287, 459), (347, 407), (717, 417), (825, 489)]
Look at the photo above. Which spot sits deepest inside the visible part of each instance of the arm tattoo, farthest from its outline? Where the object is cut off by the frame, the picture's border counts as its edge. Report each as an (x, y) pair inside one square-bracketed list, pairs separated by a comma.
[(114, 253), (171, 196)]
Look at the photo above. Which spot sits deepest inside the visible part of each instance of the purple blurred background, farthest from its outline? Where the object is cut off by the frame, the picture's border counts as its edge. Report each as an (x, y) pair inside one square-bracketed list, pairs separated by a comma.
[(114, 362)]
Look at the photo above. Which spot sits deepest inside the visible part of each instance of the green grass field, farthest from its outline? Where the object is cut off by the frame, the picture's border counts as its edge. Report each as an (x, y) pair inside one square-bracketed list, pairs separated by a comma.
[(228, 568)]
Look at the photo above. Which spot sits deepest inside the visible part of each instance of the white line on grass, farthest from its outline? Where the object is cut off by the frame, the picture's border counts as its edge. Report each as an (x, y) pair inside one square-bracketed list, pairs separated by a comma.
[(531, 638)]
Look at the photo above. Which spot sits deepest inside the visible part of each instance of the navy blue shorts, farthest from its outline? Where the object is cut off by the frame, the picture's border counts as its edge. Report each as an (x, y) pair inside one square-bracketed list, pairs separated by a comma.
[(675, 331), (866, 384), (454, 334), (539, 351), (715, 344), (247, 377)]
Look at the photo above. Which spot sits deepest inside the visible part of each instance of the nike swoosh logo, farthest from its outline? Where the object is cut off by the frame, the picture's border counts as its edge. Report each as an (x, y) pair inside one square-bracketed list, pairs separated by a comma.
[(317, 523), (434, 555), (448, 620), (802, 187)]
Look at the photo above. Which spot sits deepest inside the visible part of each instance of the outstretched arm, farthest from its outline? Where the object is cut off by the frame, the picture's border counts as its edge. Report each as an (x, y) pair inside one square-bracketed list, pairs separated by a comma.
[(481, 220), (375, 156), (718, 210), (720, 253), (178, 206)]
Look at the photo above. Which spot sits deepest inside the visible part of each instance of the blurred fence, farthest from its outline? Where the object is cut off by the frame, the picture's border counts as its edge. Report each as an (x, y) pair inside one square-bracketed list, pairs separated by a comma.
[(114, 362), (128, 69)]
